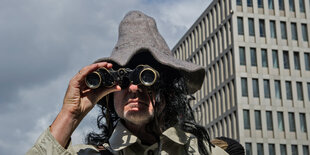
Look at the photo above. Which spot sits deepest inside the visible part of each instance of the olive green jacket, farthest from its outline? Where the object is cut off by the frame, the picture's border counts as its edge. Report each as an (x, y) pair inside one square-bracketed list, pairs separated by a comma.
[(123, 142)]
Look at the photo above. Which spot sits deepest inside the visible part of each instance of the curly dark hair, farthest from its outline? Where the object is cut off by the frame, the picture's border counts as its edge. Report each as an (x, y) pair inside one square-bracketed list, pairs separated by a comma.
[(171, 89)]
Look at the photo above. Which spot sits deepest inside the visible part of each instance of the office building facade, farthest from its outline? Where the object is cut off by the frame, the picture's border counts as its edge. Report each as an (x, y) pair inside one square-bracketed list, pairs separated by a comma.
[(256, 54)]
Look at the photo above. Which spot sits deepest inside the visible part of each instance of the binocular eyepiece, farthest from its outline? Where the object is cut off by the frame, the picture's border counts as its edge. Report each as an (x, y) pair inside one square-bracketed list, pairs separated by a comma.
[(142, 74)]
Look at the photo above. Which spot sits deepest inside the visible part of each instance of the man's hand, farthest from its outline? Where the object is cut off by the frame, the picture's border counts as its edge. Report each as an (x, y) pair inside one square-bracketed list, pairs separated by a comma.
[(78, 101)]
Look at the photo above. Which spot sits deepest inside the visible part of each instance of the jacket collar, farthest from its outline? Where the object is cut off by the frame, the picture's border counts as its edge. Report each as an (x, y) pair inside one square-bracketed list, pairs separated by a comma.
[(122, 137)]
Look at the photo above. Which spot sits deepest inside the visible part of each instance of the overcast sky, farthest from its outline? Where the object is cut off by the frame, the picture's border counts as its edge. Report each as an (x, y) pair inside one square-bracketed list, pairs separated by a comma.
[(43, 43)]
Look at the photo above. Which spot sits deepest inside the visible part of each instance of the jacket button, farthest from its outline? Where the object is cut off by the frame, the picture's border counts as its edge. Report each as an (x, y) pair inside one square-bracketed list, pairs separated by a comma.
[(150, 152)]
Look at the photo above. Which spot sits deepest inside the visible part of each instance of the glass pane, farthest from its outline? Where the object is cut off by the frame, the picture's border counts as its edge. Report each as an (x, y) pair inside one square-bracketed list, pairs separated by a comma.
[(244, 87), (258, 121), (264, 58), (239, 2), (281, 4), (308, 85), (291, 120), (270, 4), (302, 5), (242, 56), (286, 60), (299, 91), (246, 119), (266, 89), (305, 150), (296, 60), (294, 150), (251, 27), (280, 121), (253, 57), (303, 125), (275, 60), (307, 61), (271, 149), (248, 149), (255, 88), (283, 149), (292, 5), (288, 87), (260, 3), (262, 28), (294, 31), (260, 149), (240, 26), (272, 29), (304, 32), (269, 120), (283, 30), (250, 3), (277, 86)]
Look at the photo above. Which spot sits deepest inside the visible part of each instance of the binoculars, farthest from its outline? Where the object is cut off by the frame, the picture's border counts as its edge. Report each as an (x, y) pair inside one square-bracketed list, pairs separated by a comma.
[(142, 74)]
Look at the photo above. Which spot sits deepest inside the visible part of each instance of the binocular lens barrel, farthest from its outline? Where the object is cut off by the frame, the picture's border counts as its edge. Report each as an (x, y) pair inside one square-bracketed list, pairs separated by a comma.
[(142, 74), (93, 80), (148, 77)]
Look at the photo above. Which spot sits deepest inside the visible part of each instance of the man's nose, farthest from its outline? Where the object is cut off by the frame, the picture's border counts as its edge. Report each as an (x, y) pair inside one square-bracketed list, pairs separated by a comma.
[(134, 88)]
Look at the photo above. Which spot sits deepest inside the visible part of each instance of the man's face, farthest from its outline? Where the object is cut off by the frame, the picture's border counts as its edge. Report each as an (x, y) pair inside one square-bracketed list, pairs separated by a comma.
[(133, 104)]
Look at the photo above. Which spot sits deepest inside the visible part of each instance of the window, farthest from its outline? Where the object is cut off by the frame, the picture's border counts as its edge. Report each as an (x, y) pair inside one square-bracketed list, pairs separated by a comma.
[(248, 148), (305, 150), (269, 120), (296, 60), (288, 87), (291, 120), (302, 6), (300, 96), (281, 4), (261, 28), (304, 32), (260, 3), (283, 30), (250, 3), (239, 2), (266, 88), (294, 150), (277, 86), (265, 58), (270, 4), (246, 119), (286, 60), (273, 29), (294, 31), (251, 27), (255, 88), (253, 57), (292, 5), (260, 149), (258, 120), (283, 149), (280, 121), (271, 149), (303, 125), (308, 85), (242, 56), (275, 60), (240, 25), (244, 87), (307, 61)]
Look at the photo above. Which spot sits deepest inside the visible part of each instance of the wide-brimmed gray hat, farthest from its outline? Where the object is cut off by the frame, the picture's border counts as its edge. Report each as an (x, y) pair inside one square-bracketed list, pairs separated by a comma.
[(138, 32)]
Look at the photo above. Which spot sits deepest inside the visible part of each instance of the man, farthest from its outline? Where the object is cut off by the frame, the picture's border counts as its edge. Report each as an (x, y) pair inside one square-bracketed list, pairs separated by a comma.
[(136, 118)]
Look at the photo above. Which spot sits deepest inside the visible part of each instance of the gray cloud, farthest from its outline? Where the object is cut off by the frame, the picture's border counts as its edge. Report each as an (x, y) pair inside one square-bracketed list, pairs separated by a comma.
[(44, 43)]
